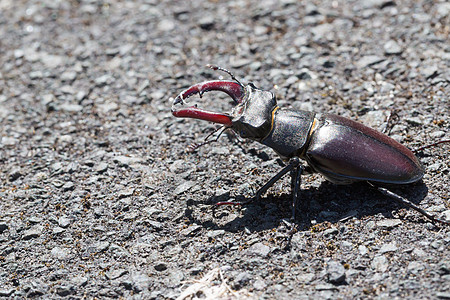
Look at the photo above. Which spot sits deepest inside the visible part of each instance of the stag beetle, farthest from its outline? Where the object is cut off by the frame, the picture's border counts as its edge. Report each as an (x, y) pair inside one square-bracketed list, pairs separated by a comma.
[(340, 149)]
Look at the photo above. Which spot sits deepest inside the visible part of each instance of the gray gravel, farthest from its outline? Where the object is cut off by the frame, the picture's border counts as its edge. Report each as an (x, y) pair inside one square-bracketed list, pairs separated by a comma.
[(100, 199)]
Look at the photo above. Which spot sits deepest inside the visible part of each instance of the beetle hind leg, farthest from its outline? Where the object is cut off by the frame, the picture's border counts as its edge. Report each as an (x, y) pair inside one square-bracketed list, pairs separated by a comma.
[(408, 203)]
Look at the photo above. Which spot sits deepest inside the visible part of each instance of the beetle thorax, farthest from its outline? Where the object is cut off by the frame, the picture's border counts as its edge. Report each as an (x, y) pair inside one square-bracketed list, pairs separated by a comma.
[(252, 118)]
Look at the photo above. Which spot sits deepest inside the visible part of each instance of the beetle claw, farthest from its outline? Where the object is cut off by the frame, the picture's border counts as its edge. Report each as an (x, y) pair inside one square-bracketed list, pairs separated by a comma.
[(235, 90)]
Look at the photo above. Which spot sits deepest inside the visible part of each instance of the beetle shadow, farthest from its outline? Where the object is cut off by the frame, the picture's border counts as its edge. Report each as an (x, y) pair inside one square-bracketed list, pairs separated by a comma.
[(326, 203)]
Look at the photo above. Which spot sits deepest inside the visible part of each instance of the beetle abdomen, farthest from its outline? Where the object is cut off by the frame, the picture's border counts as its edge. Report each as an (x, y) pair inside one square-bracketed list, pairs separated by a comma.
[(345, 151)]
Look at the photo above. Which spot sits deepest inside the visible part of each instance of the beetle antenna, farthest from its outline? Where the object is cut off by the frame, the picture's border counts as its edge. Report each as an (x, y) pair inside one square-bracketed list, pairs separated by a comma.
[(217, 68), (194, 146)]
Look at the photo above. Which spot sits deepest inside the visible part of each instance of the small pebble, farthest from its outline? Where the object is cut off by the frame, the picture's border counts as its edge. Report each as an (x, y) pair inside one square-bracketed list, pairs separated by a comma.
[(206, 22), (388, 223), (392, 48), (369, 60), (68, 76), (335, 273), (67, 107), (64, 222), (391, 247), (241, 280), (32, 233), (259, 249), (101, 168), (380, 263), (185, 186), (60, 253), (443, 295), (160, 266), (259, 285), (68, 186)]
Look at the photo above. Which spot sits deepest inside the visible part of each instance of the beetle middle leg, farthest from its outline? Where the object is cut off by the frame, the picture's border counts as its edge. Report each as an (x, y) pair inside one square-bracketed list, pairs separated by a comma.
[(293, 164), (296, 170), (296, 178)]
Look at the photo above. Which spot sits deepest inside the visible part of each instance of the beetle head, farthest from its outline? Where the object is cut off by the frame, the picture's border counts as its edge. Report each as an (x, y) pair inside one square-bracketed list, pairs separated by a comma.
[(252, 118)]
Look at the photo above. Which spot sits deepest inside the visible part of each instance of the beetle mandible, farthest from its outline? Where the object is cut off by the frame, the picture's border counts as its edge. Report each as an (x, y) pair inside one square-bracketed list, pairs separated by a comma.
[(342, 150)]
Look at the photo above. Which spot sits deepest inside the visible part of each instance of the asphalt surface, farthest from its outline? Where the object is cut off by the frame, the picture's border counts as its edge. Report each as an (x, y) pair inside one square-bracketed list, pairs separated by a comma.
[(100, 199)]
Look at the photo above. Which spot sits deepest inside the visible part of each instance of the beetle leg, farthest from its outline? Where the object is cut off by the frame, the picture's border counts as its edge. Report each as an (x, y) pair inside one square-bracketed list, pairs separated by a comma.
[(296, 179), (194, 146), (388, 127), (431, 145), (408, 203), (293, 163)]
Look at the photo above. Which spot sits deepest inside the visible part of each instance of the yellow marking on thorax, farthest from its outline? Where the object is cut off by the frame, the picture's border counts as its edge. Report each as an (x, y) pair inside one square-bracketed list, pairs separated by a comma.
[(311, 131), (271, 123), (312, 128), (273, 117)]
